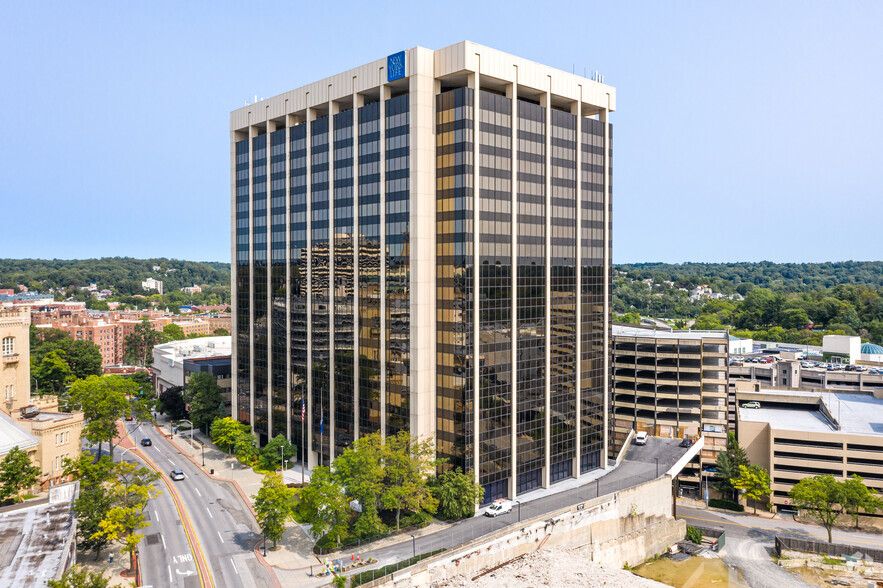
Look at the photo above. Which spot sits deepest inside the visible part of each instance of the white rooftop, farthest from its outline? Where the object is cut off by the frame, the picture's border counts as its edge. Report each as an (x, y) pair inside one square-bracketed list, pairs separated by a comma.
[(857, 413), (13, 436), (195, 348), (626, 331)]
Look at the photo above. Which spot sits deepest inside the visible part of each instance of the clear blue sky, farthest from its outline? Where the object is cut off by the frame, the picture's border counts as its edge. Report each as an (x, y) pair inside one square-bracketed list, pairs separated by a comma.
[(744, 131)]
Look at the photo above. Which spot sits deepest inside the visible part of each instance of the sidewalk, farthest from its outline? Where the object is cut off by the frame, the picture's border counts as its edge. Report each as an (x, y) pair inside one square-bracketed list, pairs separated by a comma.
[(296, 549)]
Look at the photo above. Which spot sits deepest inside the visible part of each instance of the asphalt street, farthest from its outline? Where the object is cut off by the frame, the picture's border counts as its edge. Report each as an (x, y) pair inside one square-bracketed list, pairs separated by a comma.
[(225, 529), (750, 541), (165, 552), (639, 465)]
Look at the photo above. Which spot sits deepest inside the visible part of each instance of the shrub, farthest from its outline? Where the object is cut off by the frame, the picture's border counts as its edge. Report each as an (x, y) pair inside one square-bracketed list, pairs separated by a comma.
[(339, 582), (727, 504), (694, 535)]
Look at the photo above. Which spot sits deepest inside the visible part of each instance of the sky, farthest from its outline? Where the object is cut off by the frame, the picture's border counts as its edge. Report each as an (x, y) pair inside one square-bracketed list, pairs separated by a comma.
[(744, 131)]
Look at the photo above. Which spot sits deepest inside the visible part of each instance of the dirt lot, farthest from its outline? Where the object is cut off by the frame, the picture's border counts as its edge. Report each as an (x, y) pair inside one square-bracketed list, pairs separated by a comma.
[(554, 567)]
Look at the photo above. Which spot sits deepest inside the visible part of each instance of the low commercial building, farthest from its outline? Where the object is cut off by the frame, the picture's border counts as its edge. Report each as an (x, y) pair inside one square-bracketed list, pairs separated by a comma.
[(169, 360), (39, 540), (791, 374), (219, 368), (841, 348), (671, 384), (797, 434)]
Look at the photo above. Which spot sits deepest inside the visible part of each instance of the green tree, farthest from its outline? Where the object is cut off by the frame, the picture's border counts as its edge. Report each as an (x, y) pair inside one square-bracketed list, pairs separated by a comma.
[(457, 494), (406, 462), (755, 481), (140, 342), (173, 332), (204, 396), (53, 373), (360, 470), (820, 496), (16, 474), (131, 488), (857, 499), (324, 502), (272, 506), (727, 465), (94, 502), (104, 400), (275, 451), (80, 577), (221, 332), (171, 402), (228, 432)]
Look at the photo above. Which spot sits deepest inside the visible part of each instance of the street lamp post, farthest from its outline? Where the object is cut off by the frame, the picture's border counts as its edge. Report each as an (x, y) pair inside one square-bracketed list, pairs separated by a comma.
[(657, 466), (191, 429), (519, 510), (414, 544), (203, 456), (265, 545)]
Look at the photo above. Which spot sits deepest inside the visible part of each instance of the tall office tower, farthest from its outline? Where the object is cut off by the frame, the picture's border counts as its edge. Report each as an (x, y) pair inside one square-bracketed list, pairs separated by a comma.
[(423, 244)]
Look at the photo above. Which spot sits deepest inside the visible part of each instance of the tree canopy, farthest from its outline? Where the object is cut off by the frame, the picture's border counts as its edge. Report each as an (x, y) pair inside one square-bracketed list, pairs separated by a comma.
[(17, 474), (203, 395)]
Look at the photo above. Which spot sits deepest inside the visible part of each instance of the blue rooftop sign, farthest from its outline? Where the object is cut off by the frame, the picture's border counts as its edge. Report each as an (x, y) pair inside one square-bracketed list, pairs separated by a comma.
[(395, 66)]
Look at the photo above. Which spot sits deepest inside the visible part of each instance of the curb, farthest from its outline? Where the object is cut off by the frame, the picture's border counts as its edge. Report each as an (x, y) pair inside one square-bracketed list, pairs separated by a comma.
[(241, 494)]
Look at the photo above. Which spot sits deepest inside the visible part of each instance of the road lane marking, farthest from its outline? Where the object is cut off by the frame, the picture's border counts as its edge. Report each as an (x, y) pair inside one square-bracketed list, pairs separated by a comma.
[(209, 513), (198, 492), (170, 461), (219, 535), (233, 563), (155, 515), (170, 574), (774, 531), (163, 541), (192, 539)]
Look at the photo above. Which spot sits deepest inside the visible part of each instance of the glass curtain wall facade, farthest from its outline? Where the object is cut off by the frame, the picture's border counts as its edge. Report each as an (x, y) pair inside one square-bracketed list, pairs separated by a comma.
[(454, 260), (319, 289), (260, 320), (370, 362), (495, 293), (398, 266), (297, 189), (546, 413), (278, 282), (531, 295), (344, 283), (243, 286), (592, 294)]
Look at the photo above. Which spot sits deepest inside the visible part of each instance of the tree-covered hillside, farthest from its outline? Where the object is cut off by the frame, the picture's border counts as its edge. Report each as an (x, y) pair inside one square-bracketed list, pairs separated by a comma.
[(122, 275), (779, 277)]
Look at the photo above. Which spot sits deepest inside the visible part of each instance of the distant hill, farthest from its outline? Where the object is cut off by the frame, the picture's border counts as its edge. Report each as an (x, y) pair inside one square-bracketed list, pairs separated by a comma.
[(779, 277), (123, 275)]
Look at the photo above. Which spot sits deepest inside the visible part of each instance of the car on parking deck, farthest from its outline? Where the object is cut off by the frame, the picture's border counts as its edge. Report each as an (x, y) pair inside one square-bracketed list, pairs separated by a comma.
[(499, 507), (687, 442), (176, 475), (641, 438), (752, 404), (146, 442)]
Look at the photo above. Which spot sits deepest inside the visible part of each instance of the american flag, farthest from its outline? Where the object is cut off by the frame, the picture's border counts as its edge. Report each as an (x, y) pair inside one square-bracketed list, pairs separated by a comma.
[(303, 410)]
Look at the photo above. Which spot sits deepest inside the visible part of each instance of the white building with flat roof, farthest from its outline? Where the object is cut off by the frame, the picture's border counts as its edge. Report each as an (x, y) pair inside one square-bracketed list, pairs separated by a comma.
[(169, 358)]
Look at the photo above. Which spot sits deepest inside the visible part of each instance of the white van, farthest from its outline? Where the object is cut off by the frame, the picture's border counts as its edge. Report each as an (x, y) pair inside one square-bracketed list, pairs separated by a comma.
[(499, 507), (641, 438)]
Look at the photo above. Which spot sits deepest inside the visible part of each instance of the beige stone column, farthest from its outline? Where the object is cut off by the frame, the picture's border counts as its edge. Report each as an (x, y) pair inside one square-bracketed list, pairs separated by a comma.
[(422, 300), (578, 364), (606, 217), (475, 84), (512, 93), (547, 420)]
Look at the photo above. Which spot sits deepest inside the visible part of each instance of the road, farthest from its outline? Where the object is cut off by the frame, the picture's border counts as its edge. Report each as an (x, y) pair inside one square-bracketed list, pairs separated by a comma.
[(750, 541), (167, 558), (640, 465), (224, 527)]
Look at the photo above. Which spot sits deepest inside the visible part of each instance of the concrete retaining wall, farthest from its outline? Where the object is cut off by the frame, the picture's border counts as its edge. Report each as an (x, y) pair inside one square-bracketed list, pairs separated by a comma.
[(624, 527)]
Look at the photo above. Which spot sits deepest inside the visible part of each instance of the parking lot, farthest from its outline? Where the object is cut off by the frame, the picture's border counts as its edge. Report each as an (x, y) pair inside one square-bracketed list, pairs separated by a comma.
[(807, 365)]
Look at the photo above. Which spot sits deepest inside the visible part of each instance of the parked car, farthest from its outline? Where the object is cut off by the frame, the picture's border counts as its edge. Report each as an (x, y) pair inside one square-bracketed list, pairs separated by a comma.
[(861, 368), (752, 404), (641, 438), (499, 507), (686, 442), (146, 442), (130, 418), (176, 475)]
